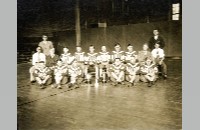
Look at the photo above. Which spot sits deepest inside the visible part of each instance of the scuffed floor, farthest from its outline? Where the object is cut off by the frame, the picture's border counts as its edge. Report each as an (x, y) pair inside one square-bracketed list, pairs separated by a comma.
[(103, 107)]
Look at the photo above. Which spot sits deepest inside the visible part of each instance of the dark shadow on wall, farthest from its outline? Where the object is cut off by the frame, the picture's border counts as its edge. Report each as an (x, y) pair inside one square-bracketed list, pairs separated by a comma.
[(135, 34)]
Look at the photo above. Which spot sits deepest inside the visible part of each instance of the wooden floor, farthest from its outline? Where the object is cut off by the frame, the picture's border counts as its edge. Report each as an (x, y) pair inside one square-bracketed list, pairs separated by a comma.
[(102, 107)]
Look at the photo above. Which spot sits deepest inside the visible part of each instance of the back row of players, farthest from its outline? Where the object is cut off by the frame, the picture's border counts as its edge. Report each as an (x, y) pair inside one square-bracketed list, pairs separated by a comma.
[(117, 66)]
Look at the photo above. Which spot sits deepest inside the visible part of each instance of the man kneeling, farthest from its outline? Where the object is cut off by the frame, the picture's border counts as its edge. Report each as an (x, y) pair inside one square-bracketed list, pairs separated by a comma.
[(75, 74), (132, 69), (149, 72), (117, 72), (43, 75), (60, 74)]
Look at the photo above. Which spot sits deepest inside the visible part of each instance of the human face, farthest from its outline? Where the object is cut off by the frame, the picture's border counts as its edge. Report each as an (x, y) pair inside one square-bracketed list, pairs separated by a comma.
[(103, 48), (39, 49), (117, 61), (78, 49), (130, 48), (52, 51), (133, 60), (145, 47), (65, 50), (157, 46), (75, 63), (148, 62), (155, 32), (91, 49), (117, 48), (44, 38), (59, 63), (42, 65)]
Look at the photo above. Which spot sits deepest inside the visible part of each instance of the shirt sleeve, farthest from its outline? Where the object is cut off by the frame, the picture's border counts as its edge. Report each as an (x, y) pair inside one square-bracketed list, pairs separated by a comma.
[(162, 54), (40, 44), (33, 59), (153, 53), (162, 45), (44, 58), (51, 44), (150, 43)]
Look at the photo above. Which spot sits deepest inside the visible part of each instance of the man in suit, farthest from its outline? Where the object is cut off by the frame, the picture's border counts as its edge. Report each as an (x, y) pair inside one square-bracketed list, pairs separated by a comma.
[(156, 39)]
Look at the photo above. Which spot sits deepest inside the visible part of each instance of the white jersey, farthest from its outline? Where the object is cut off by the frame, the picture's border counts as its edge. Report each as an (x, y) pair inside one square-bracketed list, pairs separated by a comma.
[(79, 56), (132, 68), (129, 55), (74, 70), (103, 57), (66, 58), (119, 55), (91, 58)]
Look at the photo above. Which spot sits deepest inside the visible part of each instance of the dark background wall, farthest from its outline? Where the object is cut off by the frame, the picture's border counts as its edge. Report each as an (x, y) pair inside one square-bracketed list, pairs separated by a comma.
[(135, 34)]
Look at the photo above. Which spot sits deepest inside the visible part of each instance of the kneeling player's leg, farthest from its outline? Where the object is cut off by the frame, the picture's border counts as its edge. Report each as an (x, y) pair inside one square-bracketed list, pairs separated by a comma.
[(31, 71), (64, 80), (49, 81)]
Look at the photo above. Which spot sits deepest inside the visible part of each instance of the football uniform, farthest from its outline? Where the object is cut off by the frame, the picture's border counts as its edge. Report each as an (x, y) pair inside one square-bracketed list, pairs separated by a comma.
[(116, 54), (60, 74), (129, 55), (80, 57), (91, 62), (103, 60), (66, 58), (117, 72), (132, 72), (148, 72), (43, 75), (74, 73)]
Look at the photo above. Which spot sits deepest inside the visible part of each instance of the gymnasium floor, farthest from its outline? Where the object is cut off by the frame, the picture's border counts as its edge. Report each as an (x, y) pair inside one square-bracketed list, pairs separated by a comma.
[(102, 107)]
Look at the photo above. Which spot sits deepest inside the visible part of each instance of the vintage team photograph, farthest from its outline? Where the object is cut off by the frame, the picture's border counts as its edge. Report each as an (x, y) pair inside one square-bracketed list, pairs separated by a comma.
[(99, 65)]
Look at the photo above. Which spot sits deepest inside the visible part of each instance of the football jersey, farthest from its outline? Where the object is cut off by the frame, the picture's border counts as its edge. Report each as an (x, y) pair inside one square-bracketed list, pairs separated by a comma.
[(103, 57), (128, 55), (66, 58), (119, 55), (79, 56), (132, 68), (91, 57)]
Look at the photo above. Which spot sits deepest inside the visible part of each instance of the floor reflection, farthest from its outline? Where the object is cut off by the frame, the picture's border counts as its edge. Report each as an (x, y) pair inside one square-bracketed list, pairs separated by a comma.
[(102, 106)]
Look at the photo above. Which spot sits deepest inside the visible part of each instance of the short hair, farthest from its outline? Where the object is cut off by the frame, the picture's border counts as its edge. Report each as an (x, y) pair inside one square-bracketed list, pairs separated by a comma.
[(129, 45), (117, 44), (41, 62), (117, 59), (44, 36), (156, 30), (146, 44), (148, 58), (92, 46), (65, 47), (39, 47), (52, 49)]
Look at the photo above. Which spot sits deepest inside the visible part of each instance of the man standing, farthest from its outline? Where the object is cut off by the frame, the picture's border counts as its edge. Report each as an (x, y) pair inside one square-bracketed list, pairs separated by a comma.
[(46, 45), (156, 39)]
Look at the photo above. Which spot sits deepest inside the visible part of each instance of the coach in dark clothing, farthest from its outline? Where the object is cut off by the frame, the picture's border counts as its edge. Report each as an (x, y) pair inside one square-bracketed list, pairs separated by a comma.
[(156, 39), (52, 58)]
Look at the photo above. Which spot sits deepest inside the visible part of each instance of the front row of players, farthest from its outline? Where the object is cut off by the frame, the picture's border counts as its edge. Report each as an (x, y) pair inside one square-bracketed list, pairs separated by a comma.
[(117, 67)]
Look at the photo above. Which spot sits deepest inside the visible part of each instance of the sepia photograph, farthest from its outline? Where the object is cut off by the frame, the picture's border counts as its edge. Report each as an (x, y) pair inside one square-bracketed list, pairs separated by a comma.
[(99, 64)]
